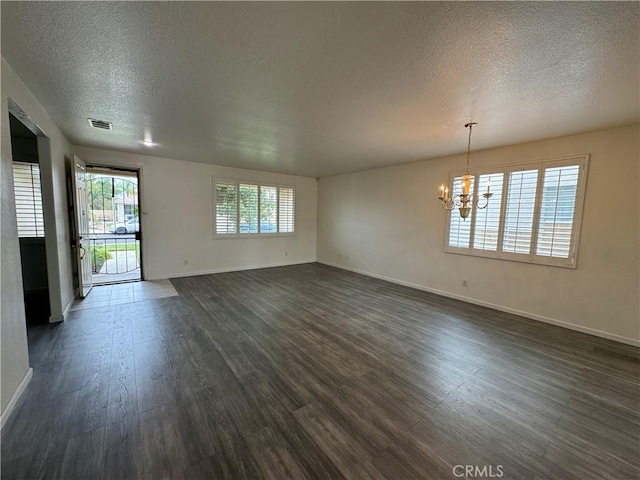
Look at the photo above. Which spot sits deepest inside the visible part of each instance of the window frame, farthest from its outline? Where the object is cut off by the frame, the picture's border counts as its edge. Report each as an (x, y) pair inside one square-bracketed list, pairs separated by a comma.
[(582, 160), (237, 182)]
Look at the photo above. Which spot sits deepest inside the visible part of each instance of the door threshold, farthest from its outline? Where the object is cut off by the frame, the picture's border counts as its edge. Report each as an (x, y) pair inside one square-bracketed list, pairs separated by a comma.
[(117, 282)]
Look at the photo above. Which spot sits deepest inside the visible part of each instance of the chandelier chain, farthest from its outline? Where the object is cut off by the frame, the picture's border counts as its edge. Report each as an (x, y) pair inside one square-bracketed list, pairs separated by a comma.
[(469, 145)]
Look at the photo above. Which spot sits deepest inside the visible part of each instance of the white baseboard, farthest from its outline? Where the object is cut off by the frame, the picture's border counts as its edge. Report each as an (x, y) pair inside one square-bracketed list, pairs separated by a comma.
[(502, 308), (16, 396), (61, 318), (225, 270)]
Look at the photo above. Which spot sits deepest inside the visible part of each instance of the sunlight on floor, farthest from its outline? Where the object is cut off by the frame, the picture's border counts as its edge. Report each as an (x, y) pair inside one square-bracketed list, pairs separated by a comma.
[(109, 295)]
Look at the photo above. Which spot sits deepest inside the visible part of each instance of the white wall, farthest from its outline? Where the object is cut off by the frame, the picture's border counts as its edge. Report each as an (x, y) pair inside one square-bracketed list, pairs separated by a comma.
[(177, 217), (390, 224), (15, 361), (14, 356)]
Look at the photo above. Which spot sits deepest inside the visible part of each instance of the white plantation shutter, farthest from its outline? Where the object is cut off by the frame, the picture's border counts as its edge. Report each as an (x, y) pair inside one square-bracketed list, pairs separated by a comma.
[(286, 209), (534, 214), (226, 208), (248, 208), (28, 195), (268, 209), (519, 211), (460, 228), (557, 210), (487, 223)]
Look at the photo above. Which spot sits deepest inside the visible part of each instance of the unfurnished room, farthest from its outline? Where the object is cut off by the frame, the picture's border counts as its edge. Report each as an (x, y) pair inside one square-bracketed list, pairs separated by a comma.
[(320, 240)]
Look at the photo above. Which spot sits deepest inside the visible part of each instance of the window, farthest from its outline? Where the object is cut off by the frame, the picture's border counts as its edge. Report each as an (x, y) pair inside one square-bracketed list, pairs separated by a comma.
[(246, 209), (226, 208), (519, 210), (533, 216), (487, 224), (459, 228), (557, 211), (269, 209), (28, 194), (286, 215)]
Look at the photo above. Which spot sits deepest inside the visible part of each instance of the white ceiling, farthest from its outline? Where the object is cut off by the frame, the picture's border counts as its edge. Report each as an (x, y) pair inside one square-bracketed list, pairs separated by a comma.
[(323, 88)]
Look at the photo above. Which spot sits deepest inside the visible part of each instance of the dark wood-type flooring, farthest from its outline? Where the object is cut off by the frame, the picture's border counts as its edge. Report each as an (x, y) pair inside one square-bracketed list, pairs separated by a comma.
[(312, 372)]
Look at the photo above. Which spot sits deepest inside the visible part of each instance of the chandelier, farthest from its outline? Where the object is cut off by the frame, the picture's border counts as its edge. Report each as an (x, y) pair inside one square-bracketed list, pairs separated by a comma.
[(465, 201)]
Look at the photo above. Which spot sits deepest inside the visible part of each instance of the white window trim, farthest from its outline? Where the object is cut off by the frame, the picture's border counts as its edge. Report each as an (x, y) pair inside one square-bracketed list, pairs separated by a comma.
[(582, 160), (237, 182)]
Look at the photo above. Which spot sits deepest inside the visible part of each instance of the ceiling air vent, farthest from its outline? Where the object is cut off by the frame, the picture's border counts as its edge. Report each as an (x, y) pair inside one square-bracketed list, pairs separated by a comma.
[(103, 124)]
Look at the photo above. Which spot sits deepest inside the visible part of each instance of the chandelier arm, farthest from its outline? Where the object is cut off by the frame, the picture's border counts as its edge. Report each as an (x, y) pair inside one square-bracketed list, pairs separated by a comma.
[(457, 200), (448, 204), (486, 203)]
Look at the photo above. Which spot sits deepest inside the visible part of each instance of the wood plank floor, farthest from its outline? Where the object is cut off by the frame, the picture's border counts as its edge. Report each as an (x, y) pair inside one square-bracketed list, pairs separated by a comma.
[(312, 372)]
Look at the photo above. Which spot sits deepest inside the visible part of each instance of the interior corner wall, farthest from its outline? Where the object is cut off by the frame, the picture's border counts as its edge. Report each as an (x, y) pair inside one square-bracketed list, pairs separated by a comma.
[(14, 357), (177, 217), (388, 223)]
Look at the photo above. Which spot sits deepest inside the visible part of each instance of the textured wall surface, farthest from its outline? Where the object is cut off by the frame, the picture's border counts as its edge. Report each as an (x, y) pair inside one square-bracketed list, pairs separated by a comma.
[(53, 155), (14, 357), (388, 222)]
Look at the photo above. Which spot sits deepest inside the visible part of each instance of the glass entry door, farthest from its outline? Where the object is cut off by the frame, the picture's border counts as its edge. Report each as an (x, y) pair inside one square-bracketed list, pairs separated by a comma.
[(114, 223)]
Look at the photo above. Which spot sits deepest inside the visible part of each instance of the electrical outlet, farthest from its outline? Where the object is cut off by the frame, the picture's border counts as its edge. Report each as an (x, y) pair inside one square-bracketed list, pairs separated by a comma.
[(465, 283), (186, 262)]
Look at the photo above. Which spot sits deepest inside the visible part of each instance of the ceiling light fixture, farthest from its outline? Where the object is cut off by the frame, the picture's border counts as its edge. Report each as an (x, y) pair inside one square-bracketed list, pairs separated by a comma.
[(464, 200), (147, 137)]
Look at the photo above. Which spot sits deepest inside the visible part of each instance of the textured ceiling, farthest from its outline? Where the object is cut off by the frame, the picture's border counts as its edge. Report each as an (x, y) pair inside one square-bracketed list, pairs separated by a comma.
[(323, 88)]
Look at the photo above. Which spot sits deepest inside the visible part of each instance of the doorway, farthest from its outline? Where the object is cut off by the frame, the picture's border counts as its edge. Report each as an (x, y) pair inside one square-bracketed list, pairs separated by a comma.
[(113, 208), (30, 221)]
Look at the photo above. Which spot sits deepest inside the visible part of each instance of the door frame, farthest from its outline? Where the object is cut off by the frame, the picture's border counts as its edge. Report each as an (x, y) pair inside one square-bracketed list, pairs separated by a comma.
[(137, 169), (51, 229)]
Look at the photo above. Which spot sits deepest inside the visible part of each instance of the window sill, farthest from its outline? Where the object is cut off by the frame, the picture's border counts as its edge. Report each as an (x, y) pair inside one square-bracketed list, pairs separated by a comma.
[(237, 236), (543, 261)]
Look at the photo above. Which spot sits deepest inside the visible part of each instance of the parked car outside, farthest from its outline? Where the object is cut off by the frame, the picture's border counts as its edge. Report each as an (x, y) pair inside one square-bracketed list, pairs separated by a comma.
[(130, 226)]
